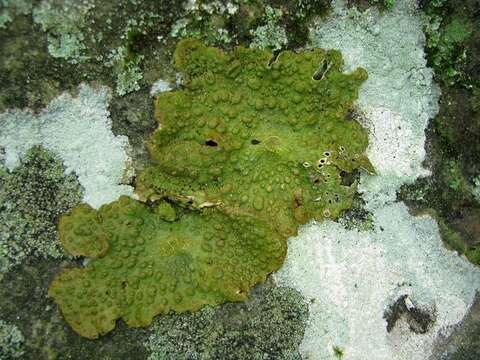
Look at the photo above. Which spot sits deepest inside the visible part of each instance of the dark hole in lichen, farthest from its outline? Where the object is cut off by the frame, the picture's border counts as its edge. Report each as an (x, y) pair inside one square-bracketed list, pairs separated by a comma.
[(322, 70), (255, 142), (274, 57), (211, 143), (298, 201), (418, 320), (348, 178), (124, 285)]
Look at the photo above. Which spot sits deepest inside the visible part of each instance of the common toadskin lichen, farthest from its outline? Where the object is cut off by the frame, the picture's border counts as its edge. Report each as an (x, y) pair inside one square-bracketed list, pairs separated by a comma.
[(250, 149)]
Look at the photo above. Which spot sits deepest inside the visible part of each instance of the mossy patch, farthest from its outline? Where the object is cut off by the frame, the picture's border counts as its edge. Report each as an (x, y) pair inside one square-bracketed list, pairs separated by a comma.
[(448, 29), (249, 150)]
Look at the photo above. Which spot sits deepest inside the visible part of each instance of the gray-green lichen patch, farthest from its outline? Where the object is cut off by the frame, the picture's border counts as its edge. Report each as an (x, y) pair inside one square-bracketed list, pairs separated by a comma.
[(78, 129), (210, 21), (32, 197), (272, 24), (11, 8), (365, 4), (269, 325), (63, 21), (271, 35), (11, 341), (128, 73)]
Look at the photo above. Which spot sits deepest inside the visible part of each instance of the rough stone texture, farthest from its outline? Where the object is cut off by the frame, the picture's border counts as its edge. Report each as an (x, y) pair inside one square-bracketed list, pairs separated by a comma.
[(46, 334), (78, 129), (269, 325)]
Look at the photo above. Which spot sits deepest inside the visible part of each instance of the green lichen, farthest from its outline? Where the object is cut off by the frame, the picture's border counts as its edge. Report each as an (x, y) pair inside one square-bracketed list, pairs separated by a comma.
[(154, 265), (127, 70), (271, 35), (248, 151), (363, 5), (32, 197), (11, 8), (11, 342), (212, 21), (258, 139), (270, 325), (64, 21)]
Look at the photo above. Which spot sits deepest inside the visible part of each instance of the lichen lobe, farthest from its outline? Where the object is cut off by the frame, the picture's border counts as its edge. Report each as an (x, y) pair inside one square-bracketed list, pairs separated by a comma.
[(257, 137)]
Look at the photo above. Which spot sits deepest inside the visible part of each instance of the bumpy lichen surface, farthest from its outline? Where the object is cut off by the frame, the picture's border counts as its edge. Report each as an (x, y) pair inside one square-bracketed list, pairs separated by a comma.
[(158, 260), (249, 150), (257, 136)]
